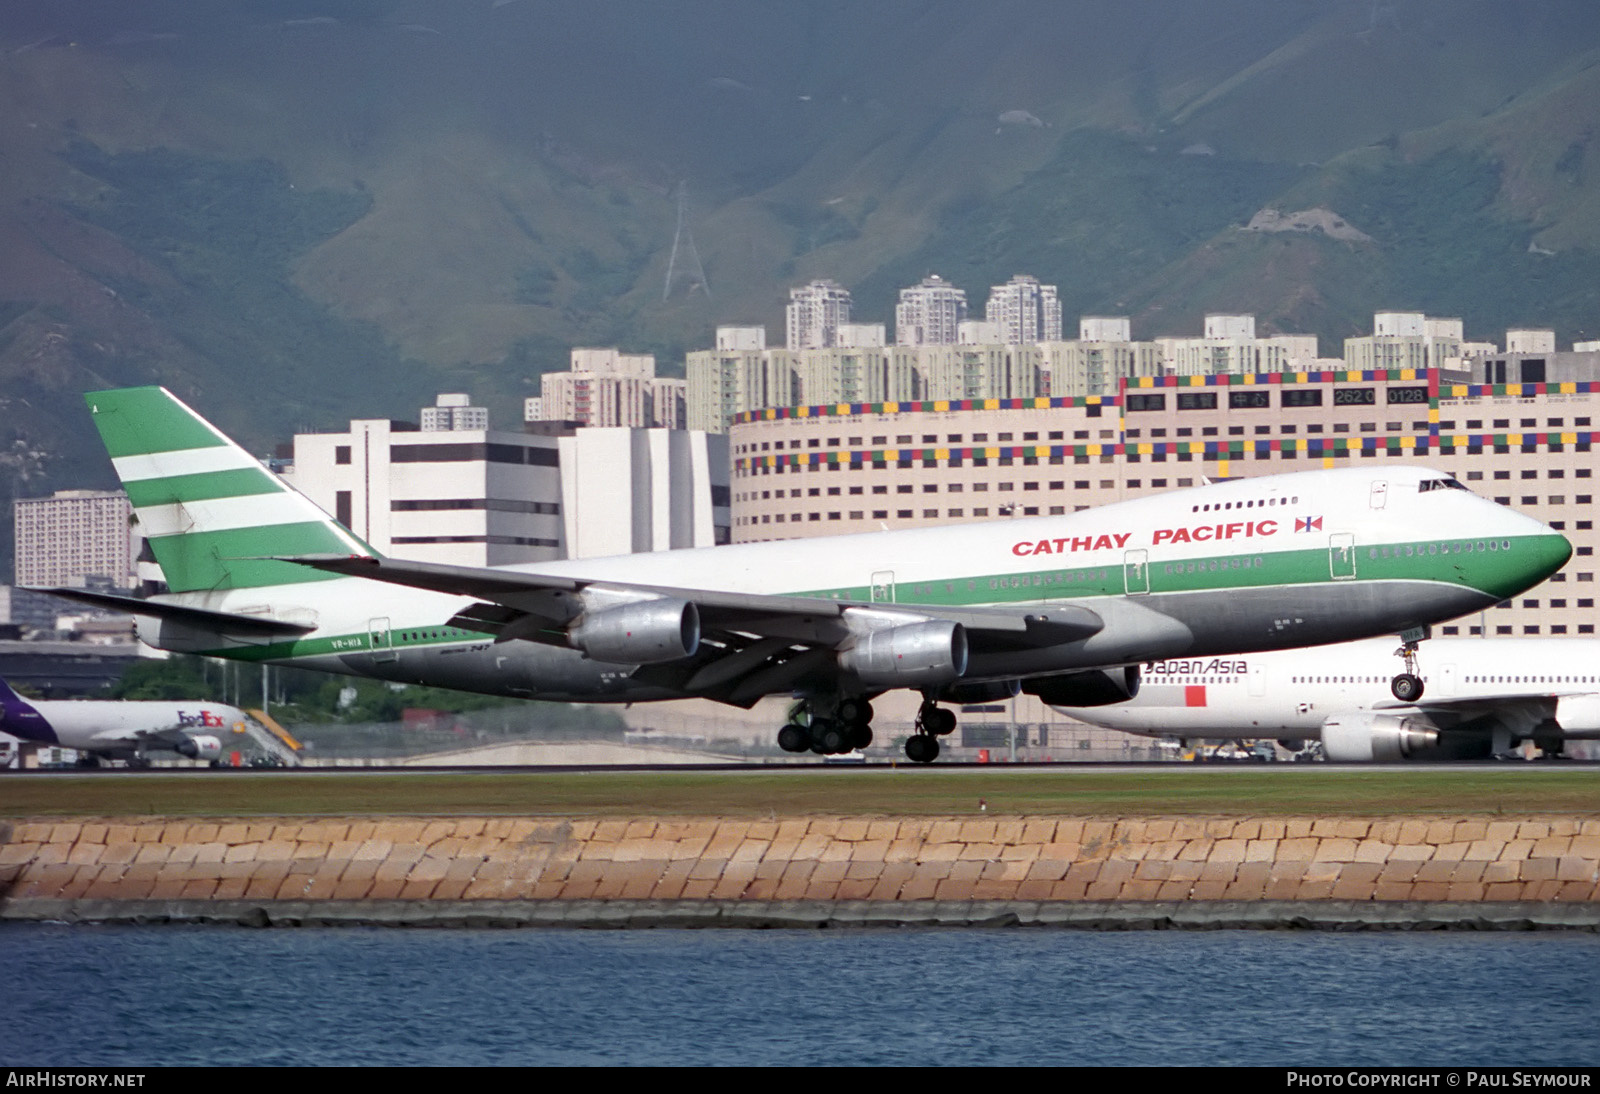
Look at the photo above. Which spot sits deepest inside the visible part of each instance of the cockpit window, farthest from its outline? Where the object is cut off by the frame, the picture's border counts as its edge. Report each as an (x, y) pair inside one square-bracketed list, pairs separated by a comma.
[(1440, 484)]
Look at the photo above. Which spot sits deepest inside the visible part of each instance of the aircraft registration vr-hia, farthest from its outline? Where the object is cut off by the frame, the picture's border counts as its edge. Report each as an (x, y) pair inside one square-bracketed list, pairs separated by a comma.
[(1485, 696), (121, 729), (1063, 607)]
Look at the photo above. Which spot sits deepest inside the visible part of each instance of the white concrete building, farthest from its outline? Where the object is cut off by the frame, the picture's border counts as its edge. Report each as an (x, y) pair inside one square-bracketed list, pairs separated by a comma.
[(930, 313), (1530, 341), (742, 338), (1105, 328), (815, 313), (1026, 311), (629, 490), (465, 497), (861, 336), (486, 498), (979, 332)]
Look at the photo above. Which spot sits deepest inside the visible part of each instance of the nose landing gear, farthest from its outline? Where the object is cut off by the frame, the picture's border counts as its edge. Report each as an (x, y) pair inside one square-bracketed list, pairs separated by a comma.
[(1407, 686)]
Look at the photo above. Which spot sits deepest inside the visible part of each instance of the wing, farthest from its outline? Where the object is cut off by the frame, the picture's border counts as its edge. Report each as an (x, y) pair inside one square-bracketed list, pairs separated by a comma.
[(1519, 713), (751, 644)]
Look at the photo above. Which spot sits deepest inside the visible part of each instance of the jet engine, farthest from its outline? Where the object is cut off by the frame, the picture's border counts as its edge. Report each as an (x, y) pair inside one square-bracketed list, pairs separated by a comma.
[(924, 654), (1378, 738), (1094, 688), (200, 746), (991, 691), (644, 632)]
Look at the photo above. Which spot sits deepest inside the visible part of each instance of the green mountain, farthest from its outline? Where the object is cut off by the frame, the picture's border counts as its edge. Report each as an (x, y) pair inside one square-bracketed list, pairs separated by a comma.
[(297, 211)]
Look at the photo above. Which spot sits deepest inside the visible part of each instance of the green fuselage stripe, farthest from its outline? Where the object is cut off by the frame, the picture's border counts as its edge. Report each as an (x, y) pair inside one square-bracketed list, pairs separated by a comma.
[(1502, 575), (235, 483), (1498, 573)]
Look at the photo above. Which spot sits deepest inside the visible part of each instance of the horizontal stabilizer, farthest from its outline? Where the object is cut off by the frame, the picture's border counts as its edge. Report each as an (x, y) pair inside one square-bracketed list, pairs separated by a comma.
[(225, 622)]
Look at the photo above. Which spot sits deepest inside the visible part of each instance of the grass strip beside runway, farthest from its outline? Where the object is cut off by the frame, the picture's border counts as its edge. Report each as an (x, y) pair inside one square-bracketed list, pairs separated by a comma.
[(1488, 791)]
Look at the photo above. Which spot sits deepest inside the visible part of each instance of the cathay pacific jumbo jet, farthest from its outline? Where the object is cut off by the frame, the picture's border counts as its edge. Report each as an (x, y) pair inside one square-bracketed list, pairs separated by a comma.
[(1064, 607), (1484, 697)]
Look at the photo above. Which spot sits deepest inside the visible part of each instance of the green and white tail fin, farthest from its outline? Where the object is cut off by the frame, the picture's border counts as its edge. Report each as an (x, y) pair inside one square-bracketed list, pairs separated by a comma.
[(209, 510)]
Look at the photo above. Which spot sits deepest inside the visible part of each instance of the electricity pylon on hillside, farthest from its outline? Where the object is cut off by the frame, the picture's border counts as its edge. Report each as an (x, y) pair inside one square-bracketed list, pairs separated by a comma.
[(683, 240)]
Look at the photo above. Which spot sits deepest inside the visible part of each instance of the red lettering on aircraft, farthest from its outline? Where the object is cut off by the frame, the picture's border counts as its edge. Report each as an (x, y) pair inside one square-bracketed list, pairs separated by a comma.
[(1204, 533), (1065, 545), (1199, 533)]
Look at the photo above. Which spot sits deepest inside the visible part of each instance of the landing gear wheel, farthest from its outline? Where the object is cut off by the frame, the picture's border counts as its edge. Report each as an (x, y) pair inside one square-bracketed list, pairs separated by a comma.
[(834, 737), (1406, 687), (854, 712), (934, 720), (860, 736), (793, 738), (922, 748)]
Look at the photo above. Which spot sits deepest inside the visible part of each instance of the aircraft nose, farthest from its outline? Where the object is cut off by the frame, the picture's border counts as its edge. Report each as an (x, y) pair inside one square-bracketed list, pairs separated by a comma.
[(1549, 550), (1537, 551)]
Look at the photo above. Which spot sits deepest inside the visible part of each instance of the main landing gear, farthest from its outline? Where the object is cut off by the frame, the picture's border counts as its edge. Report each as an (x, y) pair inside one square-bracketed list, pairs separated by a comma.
[(1407, 686), (933, 722), (828, 729)]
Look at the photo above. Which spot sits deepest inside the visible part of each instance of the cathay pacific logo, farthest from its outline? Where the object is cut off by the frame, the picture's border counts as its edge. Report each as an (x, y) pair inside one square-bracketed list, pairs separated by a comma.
[(1308, 524)]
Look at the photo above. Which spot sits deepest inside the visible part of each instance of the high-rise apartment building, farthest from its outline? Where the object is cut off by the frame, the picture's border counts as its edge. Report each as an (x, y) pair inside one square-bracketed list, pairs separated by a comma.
[(1026, 311), (606, 387), (453, 412), (1405, 340), (1229, 345), (815, 313), (929, 314), (1103, 355), (74, 536)]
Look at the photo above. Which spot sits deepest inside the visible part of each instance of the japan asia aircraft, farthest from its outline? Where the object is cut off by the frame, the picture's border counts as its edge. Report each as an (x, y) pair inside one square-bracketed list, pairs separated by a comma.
[(1484, 697), (1064, 607), (121, 729)]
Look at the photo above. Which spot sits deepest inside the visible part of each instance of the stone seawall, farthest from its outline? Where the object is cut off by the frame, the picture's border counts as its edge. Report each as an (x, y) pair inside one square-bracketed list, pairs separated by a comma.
[(628, 871)]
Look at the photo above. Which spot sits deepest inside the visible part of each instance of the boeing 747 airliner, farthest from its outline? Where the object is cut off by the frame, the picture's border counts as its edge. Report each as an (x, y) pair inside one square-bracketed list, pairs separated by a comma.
[(1064, 607)]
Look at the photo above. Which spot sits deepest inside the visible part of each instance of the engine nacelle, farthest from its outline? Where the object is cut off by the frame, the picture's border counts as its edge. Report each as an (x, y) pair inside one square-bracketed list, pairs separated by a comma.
[(991, 691), (641, 633), (1094, 688), (924, 654), (1579, 715), (200, 746), (1377, 738)]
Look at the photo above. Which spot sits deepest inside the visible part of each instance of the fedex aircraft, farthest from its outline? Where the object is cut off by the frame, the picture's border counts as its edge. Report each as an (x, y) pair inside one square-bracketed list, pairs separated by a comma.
[(1484, 697), (125, 730), (1064, 607)]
